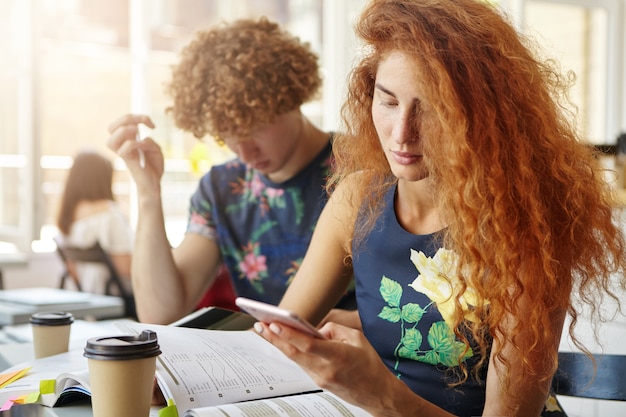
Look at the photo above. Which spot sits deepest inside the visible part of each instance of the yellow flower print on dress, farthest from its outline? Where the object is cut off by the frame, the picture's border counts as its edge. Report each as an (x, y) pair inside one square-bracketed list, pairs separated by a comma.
[(439, 281), (443, 347), (552, 404)]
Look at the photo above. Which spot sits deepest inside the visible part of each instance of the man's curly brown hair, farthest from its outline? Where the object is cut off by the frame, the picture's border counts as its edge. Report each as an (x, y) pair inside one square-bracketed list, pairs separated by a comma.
[(237, 77)]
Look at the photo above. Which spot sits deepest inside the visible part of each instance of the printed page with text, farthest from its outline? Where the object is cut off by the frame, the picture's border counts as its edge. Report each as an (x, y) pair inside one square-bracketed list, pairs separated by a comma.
[(199, 368), (306, 405)]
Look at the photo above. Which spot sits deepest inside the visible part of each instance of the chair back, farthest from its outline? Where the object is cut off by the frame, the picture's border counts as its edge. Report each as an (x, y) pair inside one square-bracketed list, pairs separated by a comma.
[(96, 254), (576, 376)]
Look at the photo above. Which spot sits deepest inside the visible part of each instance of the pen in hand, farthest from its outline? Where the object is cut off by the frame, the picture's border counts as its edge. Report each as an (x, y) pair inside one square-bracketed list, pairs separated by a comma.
[(142, 158)]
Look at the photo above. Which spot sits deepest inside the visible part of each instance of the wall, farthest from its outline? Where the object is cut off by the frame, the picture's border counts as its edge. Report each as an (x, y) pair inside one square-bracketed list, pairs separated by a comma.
[(43, 270)]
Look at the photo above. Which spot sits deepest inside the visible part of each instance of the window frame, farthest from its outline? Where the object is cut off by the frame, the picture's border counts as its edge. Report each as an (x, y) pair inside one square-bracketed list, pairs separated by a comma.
[(26, 160)]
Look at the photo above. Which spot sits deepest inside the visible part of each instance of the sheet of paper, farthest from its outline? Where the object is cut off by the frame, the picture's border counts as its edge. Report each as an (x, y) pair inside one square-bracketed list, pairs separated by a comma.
[(308, 405), (200, 367)]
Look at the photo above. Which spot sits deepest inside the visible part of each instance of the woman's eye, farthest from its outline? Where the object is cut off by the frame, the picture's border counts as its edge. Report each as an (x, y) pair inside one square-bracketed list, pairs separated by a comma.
[(385, 99)]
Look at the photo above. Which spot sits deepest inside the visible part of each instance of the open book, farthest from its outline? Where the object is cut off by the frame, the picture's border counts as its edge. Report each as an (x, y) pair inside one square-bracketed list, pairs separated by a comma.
[(202, 373), (215, 373), (51, 381)]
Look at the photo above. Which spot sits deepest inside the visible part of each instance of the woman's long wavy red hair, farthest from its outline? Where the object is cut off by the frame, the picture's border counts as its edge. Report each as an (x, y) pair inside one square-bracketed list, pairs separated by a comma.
[(528, 210)]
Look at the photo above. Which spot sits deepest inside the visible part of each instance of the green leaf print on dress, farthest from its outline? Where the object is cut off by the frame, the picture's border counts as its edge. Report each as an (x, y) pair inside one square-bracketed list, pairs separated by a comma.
[(434, 281)]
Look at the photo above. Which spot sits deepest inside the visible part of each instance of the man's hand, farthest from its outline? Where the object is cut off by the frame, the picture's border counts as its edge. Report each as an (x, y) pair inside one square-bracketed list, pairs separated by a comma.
[(135, 153)]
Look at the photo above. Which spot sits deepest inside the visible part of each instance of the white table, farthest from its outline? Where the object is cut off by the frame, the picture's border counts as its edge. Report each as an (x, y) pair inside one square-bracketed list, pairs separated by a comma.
[(17, 305)]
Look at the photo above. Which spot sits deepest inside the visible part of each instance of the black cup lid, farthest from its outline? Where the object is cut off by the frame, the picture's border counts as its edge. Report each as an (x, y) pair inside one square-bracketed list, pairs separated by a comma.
[(52, 318), (125, 347)]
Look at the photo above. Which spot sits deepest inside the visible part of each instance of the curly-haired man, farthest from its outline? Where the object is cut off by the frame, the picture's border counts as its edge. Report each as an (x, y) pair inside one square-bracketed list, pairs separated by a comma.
[(242, 83)]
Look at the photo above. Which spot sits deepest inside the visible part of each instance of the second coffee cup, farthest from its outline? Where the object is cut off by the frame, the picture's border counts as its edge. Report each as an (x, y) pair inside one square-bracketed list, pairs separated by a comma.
[(121, 374), (51, 332)]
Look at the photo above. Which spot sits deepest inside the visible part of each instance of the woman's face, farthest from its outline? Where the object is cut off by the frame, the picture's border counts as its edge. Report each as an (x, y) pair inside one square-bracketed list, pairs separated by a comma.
[(269, 149), (396, 108)]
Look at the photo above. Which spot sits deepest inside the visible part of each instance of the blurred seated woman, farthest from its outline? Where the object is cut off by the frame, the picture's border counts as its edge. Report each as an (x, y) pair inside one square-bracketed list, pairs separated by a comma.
[(89, 214)]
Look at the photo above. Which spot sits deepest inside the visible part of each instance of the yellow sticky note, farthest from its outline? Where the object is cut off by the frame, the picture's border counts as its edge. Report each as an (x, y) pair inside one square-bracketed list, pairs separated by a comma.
[(33, 397), (170, 410), (46, 386), (26, 398), (6, 379), (20, 400)]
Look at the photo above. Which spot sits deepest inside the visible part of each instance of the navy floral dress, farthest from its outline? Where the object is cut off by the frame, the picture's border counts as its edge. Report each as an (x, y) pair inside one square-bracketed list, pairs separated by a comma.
[(406, 311)]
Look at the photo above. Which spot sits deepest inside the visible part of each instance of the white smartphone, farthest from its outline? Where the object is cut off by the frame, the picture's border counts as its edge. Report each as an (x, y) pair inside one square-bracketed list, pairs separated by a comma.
[(268, 313)]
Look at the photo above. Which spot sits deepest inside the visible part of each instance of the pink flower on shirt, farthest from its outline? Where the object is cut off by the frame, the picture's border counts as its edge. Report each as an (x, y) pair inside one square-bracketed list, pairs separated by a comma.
[(252, 265), (196, 218), (256, 186), (274, 192)]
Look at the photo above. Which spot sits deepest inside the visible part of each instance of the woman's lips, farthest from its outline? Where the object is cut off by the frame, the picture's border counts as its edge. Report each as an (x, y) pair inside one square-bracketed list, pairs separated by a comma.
[(405, 158)]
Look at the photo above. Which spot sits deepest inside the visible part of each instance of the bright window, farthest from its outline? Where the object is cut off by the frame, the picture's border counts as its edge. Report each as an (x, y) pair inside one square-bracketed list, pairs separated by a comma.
[(89, 62), (71, 66), (585, 37)]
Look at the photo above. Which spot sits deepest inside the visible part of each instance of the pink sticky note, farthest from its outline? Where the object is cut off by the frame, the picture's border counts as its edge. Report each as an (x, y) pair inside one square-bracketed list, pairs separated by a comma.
[(6, 405)]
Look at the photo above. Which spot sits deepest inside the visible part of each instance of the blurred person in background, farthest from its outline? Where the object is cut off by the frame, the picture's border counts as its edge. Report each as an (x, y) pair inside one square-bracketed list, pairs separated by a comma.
[(88, 214)]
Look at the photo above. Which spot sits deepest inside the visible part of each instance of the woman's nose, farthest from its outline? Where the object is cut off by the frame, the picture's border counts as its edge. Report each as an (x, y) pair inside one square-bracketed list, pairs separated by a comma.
[(403, 130)]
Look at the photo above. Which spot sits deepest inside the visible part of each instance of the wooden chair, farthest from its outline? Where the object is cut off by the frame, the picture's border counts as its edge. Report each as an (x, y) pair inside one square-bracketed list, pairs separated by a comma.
[(576, 376), (95, 254)]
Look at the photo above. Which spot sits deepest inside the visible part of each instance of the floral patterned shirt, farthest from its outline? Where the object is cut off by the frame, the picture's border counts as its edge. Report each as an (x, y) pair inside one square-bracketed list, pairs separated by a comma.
[(405, 308), (263, 228)]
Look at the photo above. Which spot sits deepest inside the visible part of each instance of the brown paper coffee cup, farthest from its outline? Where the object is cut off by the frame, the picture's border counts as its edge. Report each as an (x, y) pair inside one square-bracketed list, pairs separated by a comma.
[(121, 374), (51, 332)]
